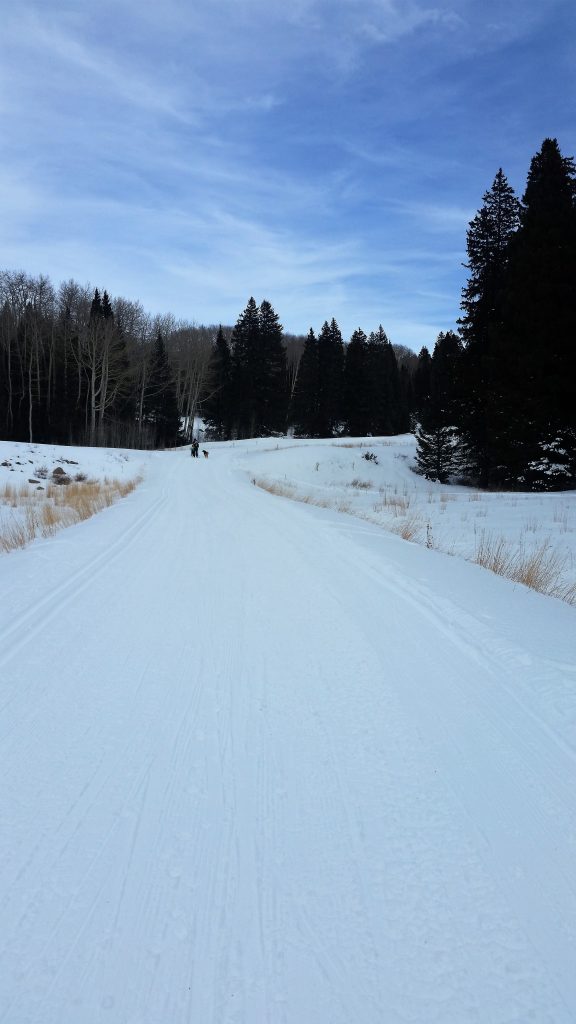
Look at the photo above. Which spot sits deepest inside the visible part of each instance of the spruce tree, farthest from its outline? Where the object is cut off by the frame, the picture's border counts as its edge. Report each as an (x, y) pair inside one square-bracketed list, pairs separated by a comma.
[(273, 398), (388, 409), (421, 384), (330, 371), (160, 409), (439, 452), (259, 382), (217, 408), (539, 445), (488, 247), (245, 347), (305, 414), (355, 386)]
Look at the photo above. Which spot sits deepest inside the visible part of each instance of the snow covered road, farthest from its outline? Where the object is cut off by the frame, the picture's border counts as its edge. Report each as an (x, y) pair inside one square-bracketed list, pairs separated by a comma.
[(264, 764)]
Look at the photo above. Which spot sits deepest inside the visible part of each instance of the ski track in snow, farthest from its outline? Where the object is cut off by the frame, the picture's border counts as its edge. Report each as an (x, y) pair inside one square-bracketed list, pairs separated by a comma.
[(257, 768)]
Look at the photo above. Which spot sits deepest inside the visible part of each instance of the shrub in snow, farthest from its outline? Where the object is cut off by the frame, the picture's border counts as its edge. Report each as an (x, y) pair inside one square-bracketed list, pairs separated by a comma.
[(370, 457)]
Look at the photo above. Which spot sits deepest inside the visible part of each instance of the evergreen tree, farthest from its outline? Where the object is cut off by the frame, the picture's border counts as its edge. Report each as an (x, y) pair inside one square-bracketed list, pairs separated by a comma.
[(259, 384), (330, 371), (273, 398), (217, 406), (96, 307), (106, 310), (305, 412), (538, 446), (422, 383), (445, 401), (160, 410), (488, 246), (355, 386), (406, 399), (439, 452), (245, 346), (388, 408)]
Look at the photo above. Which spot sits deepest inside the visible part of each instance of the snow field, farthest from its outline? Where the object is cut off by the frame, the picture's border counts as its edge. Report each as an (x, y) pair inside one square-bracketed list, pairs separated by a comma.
[(44, 488), (263, 762), (530, 538)]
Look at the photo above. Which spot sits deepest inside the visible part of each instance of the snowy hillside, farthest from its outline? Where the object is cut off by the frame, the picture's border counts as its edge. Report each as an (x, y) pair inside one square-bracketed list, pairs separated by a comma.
[(374, 480), (46, 487), (265, 762)]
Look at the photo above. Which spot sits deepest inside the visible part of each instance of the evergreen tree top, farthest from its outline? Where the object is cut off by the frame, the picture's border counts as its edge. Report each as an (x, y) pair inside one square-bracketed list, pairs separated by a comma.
[(269, 320), (358, 338), (107, 311), (379, 337), (551, 185)]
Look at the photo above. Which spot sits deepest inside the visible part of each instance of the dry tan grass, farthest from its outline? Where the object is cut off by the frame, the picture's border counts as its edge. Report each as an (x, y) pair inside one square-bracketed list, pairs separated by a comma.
[(55, 507), (19, 532), (14, 496), (360, 485), (494, 553), (398, 503), (542, 569), (288, 490), (409, 528), (50, 520)]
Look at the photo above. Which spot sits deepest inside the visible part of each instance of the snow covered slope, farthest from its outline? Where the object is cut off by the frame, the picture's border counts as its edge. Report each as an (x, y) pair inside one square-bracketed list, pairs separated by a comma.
[(521, 531), (27, 476), (262, 762)]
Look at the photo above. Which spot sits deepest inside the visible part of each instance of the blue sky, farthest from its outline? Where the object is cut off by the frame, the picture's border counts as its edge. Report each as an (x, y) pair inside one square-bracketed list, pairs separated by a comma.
[(327, 156)]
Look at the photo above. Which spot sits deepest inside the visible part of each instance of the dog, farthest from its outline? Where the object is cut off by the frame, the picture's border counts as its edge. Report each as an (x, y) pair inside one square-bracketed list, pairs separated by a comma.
[(205, 453)]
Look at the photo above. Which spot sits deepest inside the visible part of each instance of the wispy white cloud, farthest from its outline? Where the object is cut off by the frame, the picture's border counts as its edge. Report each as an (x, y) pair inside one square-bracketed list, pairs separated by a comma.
[(321, 154), (62, 49)]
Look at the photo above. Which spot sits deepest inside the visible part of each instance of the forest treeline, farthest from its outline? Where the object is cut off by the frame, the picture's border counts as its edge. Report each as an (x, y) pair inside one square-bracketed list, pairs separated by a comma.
[(79, 367), (494, 403), (497, 400)]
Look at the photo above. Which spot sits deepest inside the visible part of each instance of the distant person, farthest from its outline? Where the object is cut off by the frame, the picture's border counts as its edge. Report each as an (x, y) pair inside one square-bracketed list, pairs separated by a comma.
[(194, 449)]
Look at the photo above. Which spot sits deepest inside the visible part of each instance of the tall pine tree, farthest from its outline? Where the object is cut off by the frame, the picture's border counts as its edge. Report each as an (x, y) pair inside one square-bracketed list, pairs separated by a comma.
[(160, 409), (485, 384), (273, 401), (245, 347), (539, 322), (330, 374), (388, 412), (305, 414), (356, 386), (439, 451), (217, 407), (422, 383), (259, 383)]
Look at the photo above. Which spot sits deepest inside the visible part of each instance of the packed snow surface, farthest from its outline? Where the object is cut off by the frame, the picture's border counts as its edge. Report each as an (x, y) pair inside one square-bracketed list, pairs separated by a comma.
[(265, 762)]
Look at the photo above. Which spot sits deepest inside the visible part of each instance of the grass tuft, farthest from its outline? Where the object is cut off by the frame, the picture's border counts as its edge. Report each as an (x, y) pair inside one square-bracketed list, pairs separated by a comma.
[(56, 507), (409, 528), (541, 569)]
